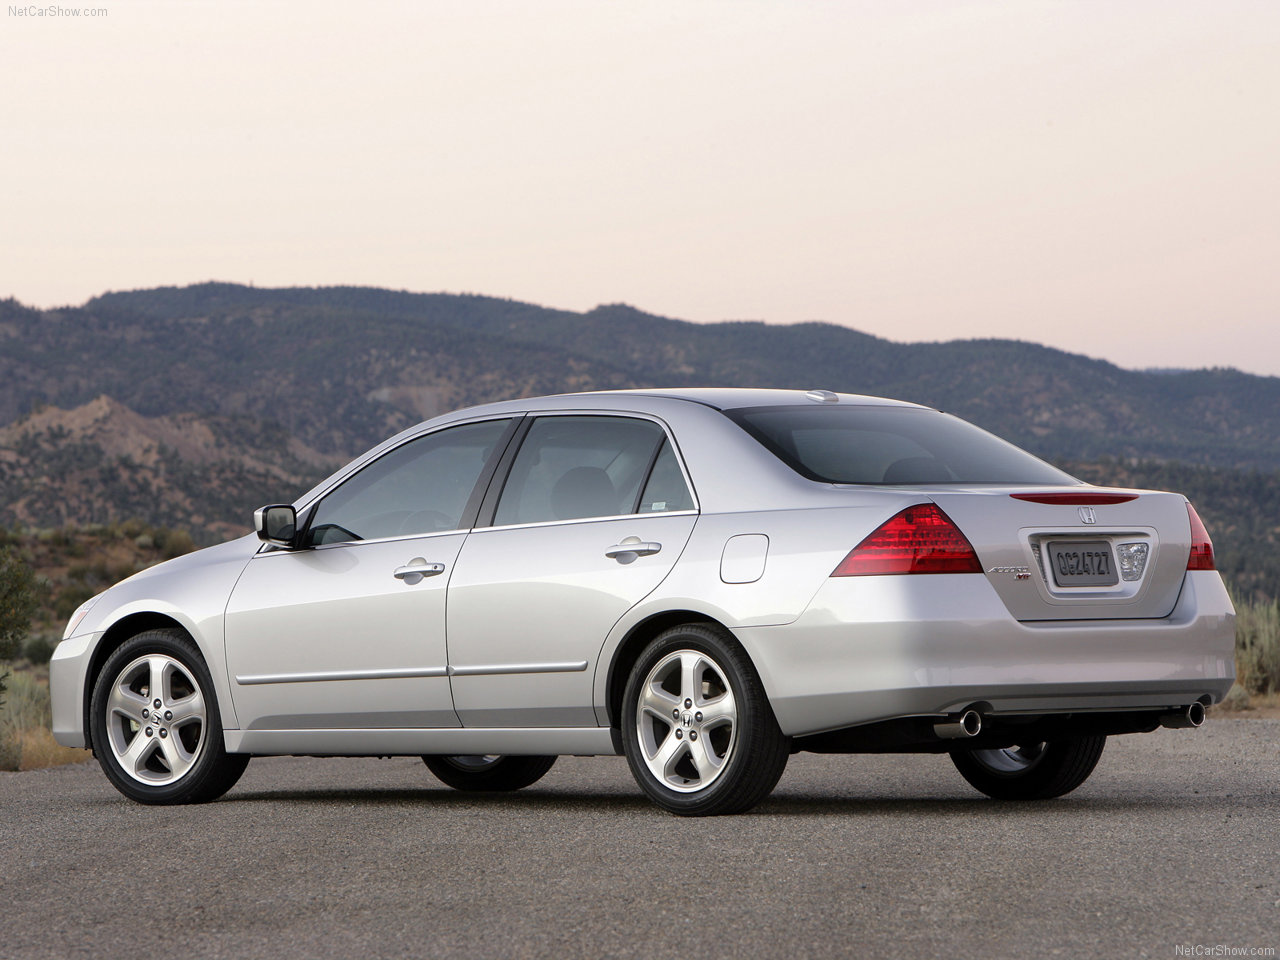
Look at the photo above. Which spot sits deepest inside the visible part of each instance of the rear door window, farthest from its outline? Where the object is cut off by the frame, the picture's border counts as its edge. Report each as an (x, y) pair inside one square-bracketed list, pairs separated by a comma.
[(578, 467)]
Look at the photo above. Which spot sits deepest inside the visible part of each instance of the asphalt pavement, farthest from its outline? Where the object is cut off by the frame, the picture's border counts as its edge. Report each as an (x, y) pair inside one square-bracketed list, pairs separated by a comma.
[(1171, 849)]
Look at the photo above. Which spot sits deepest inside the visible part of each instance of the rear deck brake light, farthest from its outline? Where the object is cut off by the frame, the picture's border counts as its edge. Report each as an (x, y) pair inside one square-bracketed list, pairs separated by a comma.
[(1076, 499), (920, 539), (1201, 557)]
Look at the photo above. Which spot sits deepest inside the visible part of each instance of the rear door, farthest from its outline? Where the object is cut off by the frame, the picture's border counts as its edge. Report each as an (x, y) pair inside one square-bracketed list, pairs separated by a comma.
[(593, 514)]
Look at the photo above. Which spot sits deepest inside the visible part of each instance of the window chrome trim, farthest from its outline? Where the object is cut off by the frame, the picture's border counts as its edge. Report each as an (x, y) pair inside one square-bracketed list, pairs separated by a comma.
[(560, 523), (271, 550)]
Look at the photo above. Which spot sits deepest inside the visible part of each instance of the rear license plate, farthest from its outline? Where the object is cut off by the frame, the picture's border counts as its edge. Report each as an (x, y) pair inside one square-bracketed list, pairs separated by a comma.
[(1082, 563)]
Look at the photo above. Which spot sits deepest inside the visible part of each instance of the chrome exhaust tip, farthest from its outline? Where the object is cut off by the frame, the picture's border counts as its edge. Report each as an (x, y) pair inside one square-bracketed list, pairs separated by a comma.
[(968, 724), (1191, 716)]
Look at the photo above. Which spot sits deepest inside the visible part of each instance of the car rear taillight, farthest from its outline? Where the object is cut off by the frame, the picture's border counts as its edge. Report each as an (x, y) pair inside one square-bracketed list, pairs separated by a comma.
[(1201, 557), (920, 539)]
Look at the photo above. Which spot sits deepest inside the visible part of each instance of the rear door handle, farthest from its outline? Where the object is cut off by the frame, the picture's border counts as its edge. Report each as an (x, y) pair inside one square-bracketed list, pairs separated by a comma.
[(417, 568), (632, 547)]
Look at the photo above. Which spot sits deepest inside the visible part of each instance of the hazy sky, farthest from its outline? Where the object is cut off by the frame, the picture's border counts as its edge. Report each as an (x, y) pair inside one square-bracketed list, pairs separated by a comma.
[(1100, 176)]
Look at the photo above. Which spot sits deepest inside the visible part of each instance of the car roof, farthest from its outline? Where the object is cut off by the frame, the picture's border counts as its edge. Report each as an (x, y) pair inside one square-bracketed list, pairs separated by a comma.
[(732, 398)]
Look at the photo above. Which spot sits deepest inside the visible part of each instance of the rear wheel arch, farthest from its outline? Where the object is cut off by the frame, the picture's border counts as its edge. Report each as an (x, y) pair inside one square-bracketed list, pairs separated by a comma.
[(633, 644), (116, 636)]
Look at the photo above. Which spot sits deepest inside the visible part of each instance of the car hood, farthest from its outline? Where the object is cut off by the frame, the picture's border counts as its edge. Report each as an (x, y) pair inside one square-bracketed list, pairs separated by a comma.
[(204, 576), (216, 555)]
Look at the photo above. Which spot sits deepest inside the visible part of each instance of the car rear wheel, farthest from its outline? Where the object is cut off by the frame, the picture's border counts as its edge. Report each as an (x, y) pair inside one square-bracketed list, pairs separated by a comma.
[(155, 725), (489, 772), (697, 729), (1035, 771)]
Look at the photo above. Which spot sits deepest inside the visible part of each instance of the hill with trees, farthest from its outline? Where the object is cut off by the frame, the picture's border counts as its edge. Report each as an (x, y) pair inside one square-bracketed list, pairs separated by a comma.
[(188, 406)]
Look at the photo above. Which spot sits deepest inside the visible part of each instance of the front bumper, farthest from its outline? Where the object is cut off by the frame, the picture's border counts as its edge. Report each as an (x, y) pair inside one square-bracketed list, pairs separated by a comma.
[(879, 648), (67, 670)]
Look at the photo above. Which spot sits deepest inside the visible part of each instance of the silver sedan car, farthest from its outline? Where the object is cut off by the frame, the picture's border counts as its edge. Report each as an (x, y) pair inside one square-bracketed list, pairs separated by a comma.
[(705, 581)]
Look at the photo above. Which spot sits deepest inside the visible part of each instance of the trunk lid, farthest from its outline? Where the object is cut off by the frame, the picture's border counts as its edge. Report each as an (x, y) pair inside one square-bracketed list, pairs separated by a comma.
[(1076, 553)]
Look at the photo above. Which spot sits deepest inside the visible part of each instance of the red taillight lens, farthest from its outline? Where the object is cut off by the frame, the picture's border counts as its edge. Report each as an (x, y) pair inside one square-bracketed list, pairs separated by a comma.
[(920, 539), (1201, 546)]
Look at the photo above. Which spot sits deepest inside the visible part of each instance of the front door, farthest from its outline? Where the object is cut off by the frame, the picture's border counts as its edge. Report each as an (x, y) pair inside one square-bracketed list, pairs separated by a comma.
[(348, 631)]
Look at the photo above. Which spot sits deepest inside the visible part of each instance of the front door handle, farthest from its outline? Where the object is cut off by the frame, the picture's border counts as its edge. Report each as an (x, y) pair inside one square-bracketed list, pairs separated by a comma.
[(417, 568), (630, 548)]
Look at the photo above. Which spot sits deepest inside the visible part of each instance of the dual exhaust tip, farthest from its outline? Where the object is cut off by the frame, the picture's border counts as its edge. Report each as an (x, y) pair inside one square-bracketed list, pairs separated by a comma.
[(969, 723)]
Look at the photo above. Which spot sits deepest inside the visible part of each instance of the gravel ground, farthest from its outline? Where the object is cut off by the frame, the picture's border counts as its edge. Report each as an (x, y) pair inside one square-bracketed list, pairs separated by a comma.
[(1173, 844)]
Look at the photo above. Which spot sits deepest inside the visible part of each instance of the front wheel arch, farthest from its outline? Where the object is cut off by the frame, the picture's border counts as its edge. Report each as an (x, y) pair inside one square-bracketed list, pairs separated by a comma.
[(116, 636)]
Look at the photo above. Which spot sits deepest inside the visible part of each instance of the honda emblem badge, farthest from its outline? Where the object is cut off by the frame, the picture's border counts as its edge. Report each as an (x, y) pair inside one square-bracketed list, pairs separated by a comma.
[(1087, 515)]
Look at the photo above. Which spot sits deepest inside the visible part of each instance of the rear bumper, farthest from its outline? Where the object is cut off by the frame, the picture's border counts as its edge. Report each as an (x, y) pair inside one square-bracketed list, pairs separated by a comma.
[(878, 648)]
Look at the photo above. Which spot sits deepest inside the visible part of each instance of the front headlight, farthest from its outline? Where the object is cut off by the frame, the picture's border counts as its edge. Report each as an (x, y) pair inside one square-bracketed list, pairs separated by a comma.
[(79, 615)]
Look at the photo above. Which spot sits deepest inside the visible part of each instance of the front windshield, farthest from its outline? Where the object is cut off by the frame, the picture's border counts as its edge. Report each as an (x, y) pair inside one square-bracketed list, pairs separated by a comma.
[(890, 445)]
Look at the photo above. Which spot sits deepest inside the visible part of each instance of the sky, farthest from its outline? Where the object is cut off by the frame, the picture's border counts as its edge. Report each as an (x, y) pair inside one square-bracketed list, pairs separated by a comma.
[(1103, 177)]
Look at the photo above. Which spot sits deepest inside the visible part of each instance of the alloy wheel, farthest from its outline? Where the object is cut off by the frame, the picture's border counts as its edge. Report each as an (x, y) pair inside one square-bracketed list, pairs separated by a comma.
[(687, 721), (156, 719)]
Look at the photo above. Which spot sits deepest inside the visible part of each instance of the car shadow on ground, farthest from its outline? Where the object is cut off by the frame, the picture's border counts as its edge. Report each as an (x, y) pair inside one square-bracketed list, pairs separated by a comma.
[(786, 805), (453, 799), (980, 806)]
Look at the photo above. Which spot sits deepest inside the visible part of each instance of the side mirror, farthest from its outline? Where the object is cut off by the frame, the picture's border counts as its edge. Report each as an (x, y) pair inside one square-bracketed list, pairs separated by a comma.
[(276, 524)]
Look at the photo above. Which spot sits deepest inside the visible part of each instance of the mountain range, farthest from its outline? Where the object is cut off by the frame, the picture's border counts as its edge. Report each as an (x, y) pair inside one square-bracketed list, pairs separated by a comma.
[(189, 406)]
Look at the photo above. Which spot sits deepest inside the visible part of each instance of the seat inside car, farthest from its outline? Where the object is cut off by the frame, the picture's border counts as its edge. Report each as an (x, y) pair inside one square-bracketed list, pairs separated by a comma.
[(584, 492)]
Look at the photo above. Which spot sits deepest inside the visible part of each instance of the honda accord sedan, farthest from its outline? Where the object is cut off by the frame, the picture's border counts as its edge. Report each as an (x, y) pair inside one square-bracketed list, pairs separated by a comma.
[(703, 580)]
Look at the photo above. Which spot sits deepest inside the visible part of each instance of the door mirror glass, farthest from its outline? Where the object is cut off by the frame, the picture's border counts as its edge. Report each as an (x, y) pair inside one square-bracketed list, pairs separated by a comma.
[(277, 523)]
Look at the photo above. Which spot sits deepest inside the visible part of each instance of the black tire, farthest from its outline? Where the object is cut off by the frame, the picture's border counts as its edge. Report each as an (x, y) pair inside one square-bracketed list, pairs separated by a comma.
[(741, 758), (1039, 771), (489, 773), (180, 757)]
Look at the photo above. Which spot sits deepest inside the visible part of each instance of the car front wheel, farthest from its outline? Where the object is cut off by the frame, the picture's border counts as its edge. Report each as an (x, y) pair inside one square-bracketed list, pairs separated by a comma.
[(155, 724), (697, 729), (1035, 771)]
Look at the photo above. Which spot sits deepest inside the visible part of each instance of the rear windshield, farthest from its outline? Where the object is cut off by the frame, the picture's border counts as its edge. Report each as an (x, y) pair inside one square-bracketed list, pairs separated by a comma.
[(890, 445)]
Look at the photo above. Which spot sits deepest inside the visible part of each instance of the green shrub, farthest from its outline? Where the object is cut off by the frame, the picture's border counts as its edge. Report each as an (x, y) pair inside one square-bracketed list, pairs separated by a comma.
[(173, 543), (69, 598), (39, 648), (20, 596)]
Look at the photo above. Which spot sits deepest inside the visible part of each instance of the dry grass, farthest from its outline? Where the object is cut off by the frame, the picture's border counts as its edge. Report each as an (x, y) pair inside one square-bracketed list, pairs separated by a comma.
[(1239, 704), (1257, 689), (37, 749), (1258, 647), (26, 719)]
